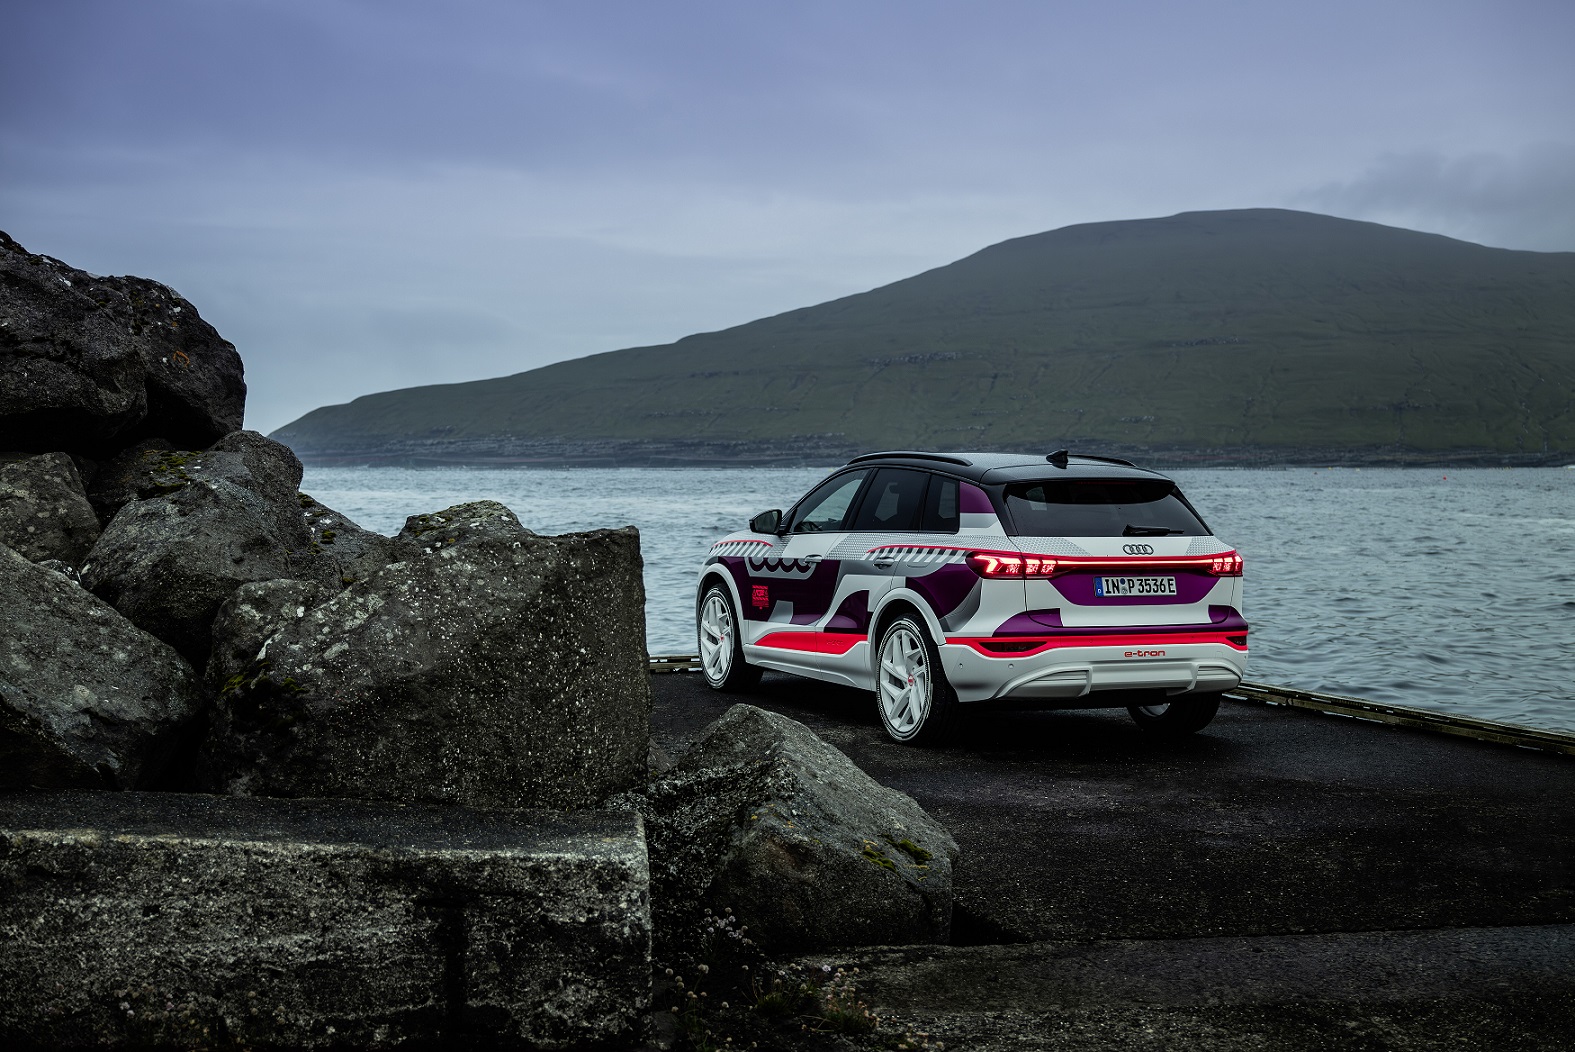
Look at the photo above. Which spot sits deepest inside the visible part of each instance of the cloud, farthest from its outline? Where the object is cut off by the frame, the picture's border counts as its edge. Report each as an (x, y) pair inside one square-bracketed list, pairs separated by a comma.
[(367, 194), (1523, 200)]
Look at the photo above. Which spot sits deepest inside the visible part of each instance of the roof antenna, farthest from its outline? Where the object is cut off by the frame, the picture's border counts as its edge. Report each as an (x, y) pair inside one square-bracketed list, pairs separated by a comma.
[(1058, 458)]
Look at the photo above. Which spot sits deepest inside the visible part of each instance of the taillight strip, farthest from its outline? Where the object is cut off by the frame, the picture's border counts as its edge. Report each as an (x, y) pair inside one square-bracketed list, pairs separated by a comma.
[(1027, 646), (998, 564)]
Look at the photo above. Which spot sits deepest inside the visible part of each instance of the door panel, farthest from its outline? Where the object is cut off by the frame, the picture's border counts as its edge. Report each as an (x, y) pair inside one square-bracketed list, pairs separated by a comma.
[(792, 588)]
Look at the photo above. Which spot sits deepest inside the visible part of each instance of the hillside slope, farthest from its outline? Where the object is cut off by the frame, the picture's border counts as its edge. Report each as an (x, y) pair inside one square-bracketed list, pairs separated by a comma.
[(1242, 335)]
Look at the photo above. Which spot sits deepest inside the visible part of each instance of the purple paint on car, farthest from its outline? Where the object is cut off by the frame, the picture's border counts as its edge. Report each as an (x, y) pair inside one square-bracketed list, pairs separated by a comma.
[(853, 615), (811, 596), (1031, 623), (971, 500), (945, 588)]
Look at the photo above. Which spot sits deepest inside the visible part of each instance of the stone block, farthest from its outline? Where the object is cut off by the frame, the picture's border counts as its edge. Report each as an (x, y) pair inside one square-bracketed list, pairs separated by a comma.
[(159, 920), (499, 671)]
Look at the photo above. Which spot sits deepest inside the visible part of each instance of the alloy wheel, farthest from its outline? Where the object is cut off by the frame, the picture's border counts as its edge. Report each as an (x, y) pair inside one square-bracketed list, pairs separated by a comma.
[(904, 682), (716, 638)]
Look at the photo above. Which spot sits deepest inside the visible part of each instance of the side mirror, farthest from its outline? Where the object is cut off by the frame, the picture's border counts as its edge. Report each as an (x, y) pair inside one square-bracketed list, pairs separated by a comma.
[(766, 521)]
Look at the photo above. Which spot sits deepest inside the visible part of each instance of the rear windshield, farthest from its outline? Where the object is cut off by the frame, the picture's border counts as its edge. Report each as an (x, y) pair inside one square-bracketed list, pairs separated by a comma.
[(1101, 508)]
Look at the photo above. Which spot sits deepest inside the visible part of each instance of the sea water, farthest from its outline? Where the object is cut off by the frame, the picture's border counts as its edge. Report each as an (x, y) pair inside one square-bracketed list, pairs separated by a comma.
[(1442, 589)]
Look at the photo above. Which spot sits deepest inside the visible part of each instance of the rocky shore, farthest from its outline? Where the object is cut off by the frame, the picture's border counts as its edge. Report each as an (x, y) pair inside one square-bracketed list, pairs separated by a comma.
[(268, 779)]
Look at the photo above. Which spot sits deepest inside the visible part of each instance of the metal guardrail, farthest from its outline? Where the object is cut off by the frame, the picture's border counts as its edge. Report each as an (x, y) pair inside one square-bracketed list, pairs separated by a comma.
[(1407, 716), (675, 662), (1330, 704)]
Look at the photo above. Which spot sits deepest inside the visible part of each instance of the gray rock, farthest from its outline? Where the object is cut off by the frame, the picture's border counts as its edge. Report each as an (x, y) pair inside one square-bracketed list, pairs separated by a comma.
[(250, 617), (354, 553), (44, 511), (91, 364), (138, 920), (152, 467), (86, 698), (70, 572), (168, 563), (763, 817), (504, 673), (477, 522)]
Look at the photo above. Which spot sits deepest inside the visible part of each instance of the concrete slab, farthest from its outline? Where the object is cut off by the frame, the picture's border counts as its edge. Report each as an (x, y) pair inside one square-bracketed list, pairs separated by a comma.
[(144, 919), (1282, 880), (1271, 821), (1469, 988)]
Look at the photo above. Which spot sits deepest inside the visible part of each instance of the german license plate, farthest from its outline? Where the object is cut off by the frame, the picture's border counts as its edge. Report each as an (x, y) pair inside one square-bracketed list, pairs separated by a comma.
[(1112, 586)]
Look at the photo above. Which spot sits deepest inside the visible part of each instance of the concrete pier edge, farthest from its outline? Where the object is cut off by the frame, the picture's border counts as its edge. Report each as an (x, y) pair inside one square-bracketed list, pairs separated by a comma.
[(1438, 722)]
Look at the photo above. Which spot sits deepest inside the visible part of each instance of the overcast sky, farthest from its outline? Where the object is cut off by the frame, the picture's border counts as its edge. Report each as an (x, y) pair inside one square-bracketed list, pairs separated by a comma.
[(378, 194)]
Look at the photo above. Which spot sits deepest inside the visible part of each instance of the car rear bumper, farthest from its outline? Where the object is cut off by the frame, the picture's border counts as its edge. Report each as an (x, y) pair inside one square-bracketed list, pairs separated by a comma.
[(1065, 673)]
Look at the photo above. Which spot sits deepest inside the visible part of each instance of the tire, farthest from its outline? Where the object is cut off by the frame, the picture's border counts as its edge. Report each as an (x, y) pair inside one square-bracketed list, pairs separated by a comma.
[(917, 706), (721, 648), (1176, 717)]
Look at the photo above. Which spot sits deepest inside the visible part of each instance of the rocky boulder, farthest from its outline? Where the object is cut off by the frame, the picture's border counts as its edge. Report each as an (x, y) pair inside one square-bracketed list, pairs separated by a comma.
[(478, 522), (250, 617), (501, 673), (91, 364), (86, 698), (764, 818), (152, 467), (230, 516), (352, 552), (44, 510)]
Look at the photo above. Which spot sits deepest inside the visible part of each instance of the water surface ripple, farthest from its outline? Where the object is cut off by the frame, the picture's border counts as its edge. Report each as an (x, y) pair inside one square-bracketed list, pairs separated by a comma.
[(1451, 590)]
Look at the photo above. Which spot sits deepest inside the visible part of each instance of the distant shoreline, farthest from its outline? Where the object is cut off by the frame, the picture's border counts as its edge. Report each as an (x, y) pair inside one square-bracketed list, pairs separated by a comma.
[(1157, 459)]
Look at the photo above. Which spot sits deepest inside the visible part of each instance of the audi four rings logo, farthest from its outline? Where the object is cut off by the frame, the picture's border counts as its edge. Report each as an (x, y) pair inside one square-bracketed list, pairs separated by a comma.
[(1138, 549)]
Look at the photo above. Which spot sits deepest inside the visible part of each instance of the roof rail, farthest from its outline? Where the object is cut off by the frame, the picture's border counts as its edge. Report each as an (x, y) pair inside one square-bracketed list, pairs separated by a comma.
[(912, 455), (1060, 457)]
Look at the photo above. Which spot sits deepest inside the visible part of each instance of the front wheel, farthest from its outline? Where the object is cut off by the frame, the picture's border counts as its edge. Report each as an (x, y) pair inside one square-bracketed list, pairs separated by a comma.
[(721, 649), (1177, 716), (916, 704)]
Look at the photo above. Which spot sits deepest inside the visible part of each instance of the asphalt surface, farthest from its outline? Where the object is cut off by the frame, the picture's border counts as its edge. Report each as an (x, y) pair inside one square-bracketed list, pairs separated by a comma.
[(1284, 879)]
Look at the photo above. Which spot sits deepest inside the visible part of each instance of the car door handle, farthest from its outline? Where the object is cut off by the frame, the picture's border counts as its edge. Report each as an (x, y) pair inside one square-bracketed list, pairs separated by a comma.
[(884, 564), (811, 559)]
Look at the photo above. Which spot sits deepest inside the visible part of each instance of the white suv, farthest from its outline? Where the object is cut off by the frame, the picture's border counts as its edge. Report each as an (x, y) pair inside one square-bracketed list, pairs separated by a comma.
[(940, 580)]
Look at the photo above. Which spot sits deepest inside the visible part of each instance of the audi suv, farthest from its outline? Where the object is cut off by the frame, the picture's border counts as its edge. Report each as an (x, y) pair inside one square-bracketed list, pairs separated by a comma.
[(942, 581)]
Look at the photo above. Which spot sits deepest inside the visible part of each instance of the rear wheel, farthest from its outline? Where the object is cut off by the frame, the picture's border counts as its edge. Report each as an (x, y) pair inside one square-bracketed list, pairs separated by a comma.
[(721, 649), (1175, 717), (916, 704)]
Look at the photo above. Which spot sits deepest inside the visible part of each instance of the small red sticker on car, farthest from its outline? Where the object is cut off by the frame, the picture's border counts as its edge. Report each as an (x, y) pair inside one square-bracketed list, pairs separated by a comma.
[(759, 597)]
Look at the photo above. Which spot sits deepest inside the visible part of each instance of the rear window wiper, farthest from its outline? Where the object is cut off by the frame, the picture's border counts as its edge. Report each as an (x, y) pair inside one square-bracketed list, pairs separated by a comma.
[(1148, 531)]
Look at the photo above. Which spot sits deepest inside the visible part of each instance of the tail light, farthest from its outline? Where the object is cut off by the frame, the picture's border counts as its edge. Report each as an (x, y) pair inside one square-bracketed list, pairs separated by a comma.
[(1013, 565), (1005, 564), (1226, 564)]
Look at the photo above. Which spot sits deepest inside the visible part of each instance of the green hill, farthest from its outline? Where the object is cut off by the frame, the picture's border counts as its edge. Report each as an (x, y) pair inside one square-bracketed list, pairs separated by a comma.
[(1248, 336)]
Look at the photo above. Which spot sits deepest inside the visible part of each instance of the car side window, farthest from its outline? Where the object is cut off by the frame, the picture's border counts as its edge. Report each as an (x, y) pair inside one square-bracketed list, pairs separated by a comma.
[(893, 501), (826, 507), (940, 506)]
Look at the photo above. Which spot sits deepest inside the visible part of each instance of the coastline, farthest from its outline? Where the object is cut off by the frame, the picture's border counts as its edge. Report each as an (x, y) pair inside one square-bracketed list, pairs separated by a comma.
[(816, 452)]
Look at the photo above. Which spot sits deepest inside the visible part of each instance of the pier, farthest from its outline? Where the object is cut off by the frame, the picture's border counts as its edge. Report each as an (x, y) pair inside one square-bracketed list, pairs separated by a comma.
[(1307, 872)]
